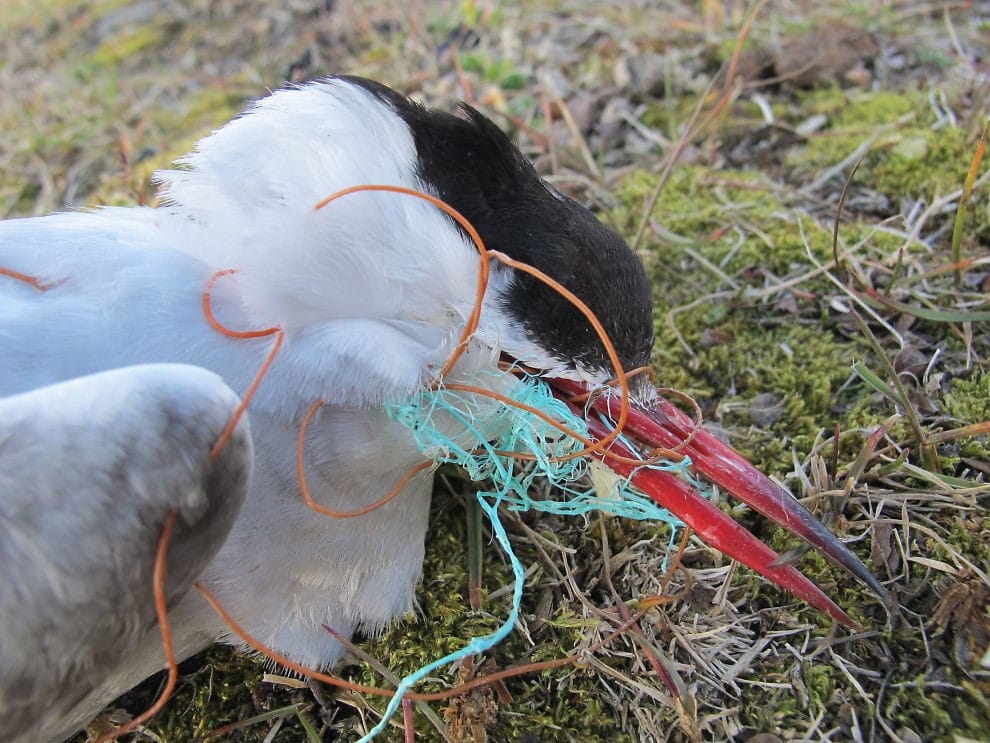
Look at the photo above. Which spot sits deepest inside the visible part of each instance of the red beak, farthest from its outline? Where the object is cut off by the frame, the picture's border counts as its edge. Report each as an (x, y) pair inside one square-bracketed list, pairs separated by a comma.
[(661, 424)]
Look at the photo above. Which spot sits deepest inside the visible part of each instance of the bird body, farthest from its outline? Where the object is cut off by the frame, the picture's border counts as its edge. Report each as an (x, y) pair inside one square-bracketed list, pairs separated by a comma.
[(369, 295), (125, 292)]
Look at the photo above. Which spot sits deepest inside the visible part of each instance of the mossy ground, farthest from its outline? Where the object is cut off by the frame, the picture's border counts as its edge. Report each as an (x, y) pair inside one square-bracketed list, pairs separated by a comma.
[(753, 319)]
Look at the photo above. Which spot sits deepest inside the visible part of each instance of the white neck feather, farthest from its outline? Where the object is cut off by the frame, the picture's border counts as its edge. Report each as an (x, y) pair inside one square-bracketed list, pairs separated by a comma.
[(370, 272)]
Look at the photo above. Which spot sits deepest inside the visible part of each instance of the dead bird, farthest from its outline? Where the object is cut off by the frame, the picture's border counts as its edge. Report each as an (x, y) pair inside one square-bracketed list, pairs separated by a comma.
[(370, 295)]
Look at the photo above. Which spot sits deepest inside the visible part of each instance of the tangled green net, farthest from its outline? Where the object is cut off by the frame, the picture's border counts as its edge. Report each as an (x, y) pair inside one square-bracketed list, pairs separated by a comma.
[(480, 434)]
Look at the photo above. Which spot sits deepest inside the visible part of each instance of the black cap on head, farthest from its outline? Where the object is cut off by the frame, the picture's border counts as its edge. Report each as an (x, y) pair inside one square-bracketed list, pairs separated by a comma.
[(473, 166)]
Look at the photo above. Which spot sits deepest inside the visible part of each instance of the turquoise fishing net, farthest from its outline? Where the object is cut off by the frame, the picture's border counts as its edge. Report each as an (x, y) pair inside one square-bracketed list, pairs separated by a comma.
[(479, 434)]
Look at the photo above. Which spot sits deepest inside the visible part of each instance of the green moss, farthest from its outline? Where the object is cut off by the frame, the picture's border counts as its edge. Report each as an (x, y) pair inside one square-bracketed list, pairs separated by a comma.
[(128, 44), (737, 220), (54, 15), (909, 158), (669, 115), (968, 399), (447, 623), (819, 680), (721, 52), (970, 537)]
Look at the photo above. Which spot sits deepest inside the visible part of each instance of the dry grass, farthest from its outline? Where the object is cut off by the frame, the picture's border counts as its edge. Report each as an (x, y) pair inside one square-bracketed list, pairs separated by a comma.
[(761, 318)]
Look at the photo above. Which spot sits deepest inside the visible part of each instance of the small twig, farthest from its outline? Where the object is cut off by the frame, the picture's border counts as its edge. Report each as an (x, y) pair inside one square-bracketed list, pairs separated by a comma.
[(839, 265), (967, 191), (582, 143)]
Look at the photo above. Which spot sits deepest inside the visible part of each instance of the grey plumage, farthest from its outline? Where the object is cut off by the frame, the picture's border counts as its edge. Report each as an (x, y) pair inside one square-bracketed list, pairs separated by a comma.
[(91, 469)]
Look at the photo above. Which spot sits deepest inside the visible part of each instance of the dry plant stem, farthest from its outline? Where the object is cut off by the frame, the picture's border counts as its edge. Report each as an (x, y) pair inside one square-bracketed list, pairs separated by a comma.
[(976, 429), (867, 452), (462, 79), (836, 448), (929, 457), (840, 265), (582, 143), (967, 192), (675, 687), (551, 143), (690, 130), (668, 168), (475, 528), (281, 712), (675, 563), (385, 673), (409, 728), (161, 612)]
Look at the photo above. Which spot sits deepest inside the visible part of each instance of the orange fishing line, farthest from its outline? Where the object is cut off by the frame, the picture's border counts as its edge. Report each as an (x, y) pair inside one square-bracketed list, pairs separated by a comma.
[(216, 324), (599, 330), (301, 473), (484, 268), (161, 611), (158, 586), (591, 446), (266, 365), (698, 419), (255, 644), (474, 318), (470, 327), (32, 280), (246, 398)]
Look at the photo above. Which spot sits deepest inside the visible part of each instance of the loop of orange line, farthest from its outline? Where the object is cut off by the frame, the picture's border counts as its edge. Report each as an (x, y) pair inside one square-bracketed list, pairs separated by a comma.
[(161, 611), (279, 334), (304, 489), (484, 268), (212, 320), (697, 420)]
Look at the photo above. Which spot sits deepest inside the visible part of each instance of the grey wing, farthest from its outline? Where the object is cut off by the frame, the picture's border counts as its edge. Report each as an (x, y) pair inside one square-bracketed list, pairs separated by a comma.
[(89, 470)]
